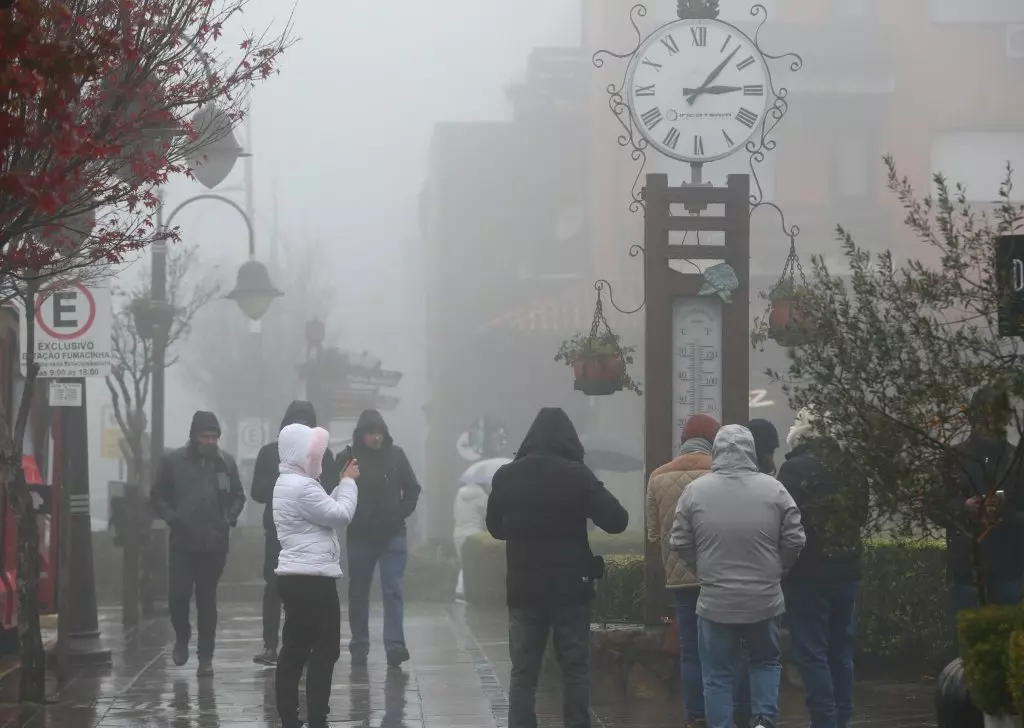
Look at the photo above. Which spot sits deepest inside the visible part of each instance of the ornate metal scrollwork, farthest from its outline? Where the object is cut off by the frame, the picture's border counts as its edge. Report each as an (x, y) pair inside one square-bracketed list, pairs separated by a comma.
[(630, 136), (600, 285)]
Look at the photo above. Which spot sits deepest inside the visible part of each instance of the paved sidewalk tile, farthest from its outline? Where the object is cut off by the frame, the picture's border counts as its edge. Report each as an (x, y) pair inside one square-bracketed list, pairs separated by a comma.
[(457, 678)]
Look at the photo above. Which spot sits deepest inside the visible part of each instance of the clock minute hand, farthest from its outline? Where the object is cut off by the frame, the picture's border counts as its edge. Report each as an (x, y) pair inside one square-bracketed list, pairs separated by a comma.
[(713, 90), (712, 76)]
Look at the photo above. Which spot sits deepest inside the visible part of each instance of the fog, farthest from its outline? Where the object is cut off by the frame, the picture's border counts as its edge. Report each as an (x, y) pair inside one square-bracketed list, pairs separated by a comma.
[(461, 255)]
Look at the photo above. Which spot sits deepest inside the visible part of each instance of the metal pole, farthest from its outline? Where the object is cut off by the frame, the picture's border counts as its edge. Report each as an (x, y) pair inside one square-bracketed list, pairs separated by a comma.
[(157, 547), (63, 556), (83, 639)]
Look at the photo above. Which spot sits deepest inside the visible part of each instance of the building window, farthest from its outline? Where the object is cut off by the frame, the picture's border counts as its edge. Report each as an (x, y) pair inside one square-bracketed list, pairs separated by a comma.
[(977, 159), (855, 165), (977, 11)]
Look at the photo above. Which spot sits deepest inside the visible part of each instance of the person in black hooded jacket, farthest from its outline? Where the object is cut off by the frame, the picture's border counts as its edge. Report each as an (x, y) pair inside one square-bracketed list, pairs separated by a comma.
[(264, 475), (198, 493), (388, 494), (539, 505)]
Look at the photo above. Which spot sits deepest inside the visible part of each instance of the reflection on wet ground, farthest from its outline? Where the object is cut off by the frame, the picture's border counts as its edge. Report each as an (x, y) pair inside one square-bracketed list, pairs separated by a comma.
[(457, 678)]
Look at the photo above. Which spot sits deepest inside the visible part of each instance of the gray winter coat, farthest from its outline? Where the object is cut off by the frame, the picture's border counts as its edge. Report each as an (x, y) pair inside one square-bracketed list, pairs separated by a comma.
[(739, 530)]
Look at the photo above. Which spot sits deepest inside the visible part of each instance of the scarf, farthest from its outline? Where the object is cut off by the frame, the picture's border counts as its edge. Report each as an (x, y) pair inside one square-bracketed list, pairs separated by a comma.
[(695, 444)]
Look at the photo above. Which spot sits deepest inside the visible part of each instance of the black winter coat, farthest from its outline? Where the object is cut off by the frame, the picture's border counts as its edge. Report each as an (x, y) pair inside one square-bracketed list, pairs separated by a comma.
[(388, 489), (833, 509), (539, 505), (266, 469), (977, 466), (199, 498)]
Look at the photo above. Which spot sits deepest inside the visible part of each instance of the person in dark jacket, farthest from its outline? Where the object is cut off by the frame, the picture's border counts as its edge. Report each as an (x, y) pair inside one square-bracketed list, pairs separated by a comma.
[(264, 475), (986, 467), (199, 495), (388, 494), (821, 589), (539, 505), (766, 442)]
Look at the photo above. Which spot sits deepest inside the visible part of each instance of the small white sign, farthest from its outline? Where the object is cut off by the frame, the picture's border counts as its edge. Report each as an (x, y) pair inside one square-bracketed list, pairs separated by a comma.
[(65, 394), (251, 437), (73, 331)]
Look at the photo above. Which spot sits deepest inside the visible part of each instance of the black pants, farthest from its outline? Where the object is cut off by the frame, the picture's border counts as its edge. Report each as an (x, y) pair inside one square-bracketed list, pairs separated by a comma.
[(528, 632), (199, 572), (271, 595), (312, 634)]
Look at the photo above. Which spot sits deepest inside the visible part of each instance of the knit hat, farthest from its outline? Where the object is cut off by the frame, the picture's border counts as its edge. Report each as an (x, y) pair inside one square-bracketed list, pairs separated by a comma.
[(702, 426), (766, 437)]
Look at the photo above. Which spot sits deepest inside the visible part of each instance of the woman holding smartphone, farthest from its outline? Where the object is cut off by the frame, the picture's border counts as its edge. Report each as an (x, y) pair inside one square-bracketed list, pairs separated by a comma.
[(307, 519)]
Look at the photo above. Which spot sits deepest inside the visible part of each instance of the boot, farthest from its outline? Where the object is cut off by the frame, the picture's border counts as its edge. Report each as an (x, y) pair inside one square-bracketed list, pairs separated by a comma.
[(397, 655), (205, 667), (268, 657), (180, 653)]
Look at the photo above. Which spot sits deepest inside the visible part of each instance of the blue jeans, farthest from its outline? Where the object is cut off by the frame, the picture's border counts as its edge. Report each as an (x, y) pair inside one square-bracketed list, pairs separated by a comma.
[(363, 558), (822, 629), (1006, 592), (689, 662), (721, 659)]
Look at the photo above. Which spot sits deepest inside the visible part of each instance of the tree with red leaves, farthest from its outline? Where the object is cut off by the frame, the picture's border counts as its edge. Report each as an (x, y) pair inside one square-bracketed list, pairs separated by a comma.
[(100, 102)]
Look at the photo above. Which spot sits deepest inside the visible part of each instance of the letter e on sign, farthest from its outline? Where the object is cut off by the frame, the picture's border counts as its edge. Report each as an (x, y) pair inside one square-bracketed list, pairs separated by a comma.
[(66, 313)]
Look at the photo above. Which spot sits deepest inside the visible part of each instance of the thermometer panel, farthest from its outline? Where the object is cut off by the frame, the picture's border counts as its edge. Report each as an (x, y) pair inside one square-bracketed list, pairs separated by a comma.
[(696, 361)]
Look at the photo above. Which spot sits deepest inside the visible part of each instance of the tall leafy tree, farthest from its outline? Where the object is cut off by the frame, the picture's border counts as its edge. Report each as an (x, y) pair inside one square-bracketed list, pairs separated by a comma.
[(895, 350)]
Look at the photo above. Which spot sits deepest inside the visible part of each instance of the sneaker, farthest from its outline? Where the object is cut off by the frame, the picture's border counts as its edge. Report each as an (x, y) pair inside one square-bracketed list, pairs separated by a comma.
[(268, 657), (180, 653), (205, 667), (763, 723), (398, 655)]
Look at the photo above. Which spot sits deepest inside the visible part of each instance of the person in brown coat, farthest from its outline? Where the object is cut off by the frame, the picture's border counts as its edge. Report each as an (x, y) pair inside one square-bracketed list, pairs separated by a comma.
[(663, 492)]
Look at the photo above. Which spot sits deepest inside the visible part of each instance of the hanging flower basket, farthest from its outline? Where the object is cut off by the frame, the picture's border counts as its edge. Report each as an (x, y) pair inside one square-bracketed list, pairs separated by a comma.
[(789, 323), (598, 375), (598, 360)]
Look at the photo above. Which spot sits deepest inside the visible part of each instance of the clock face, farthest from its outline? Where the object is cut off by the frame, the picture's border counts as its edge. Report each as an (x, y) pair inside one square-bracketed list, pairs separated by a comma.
[(698, 90)]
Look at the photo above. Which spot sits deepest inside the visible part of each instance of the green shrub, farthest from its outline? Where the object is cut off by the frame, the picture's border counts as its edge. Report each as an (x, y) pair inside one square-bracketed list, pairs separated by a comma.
[(620, 594), (483, 562), (984, 646), (431, 573), (903, 607), (1015, 675)]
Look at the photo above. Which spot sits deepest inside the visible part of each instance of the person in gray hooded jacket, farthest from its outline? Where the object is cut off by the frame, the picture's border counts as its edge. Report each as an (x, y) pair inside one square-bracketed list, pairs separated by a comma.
[(739, 530)]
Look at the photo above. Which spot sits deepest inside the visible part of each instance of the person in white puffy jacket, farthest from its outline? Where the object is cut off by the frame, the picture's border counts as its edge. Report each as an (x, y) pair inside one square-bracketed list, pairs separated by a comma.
[(307, 519), (470, 511)]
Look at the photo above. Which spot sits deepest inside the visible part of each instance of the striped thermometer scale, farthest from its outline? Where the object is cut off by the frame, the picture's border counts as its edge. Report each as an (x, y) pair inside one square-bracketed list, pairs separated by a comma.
[(697, 360)]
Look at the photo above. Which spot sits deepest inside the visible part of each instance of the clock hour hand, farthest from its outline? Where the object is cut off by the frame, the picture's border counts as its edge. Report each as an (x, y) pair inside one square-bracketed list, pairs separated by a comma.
[(713, 90), (711, 76)]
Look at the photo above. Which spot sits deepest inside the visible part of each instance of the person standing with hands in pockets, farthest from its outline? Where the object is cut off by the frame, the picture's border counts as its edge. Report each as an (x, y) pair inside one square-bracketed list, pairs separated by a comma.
[(307, 519)]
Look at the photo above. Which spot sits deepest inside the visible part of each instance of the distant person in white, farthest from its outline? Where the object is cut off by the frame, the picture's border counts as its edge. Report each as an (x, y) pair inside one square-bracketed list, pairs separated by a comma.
[(307, 519), (739, 531)]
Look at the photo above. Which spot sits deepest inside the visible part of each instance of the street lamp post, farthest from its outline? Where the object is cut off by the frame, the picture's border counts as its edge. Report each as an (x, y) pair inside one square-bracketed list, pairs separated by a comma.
[(254, 293)]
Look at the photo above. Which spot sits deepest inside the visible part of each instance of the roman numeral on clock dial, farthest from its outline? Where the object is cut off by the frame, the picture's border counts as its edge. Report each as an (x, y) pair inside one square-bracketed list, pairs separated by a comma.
[(669, 42), (700, 36), (652, 117), (746, 117), (645, 90), (672, 138), (745, 63), (698, 146)]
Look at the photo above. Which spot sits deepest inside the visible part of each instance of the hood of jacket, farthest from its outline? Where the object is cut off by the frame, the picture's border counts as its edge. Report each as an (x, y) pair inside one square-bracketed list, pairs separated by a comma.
[(734, 451), (371, 421), (302, 449), (202, 422), (804, 429), (552, 431), (300, 412)]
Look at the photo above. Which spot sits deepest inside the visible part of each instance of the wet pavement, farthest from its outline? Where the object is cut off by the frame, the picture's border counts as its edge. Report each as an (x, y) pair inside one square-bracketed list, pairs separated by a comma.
[(457, 678)]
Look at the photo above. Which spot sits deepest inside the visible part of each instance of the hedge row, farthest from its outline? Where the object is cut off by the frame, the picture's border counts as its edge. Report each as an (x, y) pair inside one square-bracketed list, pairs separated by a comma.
[(903, 610)]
